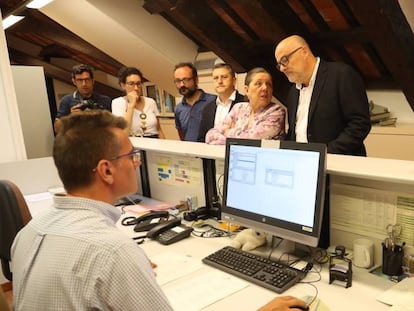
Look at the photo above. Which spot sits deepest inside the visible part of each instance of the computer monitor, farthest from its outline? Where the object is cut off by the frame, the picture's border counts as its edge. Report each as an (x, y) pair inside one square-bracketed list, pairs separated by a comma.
[(276, 187)]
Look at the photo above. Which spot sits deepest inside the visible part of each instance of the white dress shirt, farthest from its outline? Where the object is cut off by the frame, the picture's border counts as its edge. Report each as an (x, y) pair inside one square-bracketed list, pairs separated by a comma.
[(223, 108), (302, 114)]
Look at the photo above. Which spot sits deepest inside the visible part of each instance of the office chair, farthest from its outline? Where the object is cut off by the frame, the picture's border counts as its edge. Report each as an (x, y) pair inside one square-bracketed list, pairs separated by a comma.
[(14, 214)]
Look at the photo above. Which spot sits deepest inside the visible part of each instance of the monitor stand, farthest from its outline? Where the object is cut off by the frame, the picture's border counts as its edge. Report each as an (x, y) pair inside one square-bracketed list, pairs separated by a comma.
[(282, 249)]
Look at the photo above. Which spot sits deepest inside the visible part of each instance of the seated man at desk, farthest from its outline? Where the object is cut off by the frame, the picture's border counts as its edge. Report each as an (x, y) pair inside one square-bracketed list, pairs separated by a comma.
[(72, 256)]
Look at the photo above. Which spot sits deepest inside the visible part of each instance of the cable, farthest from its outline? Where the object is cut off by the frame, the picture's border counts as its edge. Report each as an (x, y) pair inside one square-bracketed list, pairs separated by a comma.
[(273, 247), (220, 186), (211, 232), (316, 293), (129, 221)]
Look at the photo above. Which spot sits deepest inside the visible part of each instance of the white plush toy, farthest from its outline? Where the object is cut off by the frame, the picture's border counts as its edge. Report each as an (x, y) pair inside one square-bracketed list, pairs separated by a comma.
[(248, 239)]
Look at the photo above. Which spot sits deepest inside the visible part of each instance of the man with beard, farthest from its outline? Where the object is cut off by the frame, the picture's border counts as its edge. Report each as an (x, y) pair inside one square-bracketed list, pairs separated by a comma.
[(188, 112)]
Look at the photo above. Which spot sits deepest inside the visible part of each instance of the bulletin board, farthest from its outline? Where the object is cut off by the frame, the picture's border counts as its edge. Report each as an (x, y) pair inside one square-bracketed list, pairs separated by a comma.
[(174, 178)]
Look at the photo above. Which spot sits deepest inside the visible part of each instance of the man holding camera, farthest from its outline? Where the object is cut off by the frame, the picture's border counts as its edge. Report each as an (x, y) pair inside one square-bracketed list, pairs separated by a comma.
[(84, 97)]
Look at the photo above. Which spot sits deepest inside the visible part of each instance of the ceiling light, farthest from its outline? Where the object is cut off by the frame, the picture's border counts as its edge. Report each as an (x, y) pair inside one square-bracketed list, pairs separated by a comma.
[(11, 20), (37, 4)]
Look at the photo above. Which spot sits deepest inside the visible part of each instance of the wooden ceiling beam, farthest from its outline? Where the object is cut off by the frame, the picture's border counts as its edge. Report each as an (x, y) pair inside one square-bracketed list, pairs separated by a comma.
[(202, 23), (58, 73), (40, 25), (159, 6), (391, 36), (232, 20)]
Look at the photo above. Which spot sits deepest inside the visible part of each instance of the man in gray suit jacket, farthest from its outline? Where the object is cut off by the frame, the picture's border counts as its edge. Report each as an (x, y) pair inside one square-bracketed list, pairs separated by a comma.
[(327, 103)]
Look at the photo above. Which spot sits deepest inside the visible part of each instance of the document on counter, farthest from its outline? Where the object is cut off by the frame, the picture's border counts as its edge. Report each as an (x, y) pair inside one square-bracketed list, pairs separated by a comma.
[(42, 196), (182, 276), (400, 296), (204, 289), (171, 266)]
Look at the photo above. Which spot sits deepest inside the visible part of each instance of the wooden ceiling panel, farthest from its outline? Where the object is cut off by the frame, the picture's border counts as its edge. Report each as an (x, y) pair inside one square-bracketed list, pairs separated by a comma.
[(391, 36), (301, 12), (232, 20), (258, 18), (331, 14), (363, 61)]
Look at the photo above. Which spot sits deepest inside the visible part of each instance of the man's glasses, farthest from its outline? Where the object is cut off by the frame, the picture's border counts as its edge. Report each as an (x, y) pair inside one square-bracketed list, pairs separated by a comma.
[(135, 156), (86, 80), (285, 59), (183, 80), (133, 84)]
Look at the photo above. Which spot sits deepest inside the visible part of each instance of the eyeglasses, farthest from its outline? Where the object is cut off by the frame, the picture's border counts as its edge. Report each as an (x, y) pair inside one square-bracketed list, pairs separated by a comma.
[(285, 59), (86, 80), (133, 84), (135, 156), (183, 80)]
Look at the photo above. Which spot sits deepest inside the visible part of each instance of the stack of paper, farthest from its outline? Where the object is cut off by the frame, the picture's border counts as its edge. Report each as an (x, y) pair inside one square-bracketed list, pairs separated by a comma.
[(400, 296)]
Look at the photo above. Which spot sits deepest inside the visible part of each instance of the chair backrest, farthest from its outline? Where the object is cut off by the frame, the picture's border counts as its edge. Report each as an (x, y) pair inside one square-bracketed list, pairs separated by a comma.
[(14, 215)]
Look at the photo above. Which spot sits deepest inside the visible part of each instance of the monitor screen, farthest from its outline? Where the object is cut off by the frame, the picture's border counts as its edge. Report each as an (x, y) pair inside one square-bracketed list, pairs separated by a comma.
[(276, 187)]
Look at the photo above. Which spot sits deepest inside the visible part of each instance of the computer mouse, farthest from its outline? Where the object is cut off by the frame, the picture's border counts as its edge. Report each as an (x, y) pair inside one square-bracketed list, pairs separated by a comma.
[(306, 308), (314, 303)]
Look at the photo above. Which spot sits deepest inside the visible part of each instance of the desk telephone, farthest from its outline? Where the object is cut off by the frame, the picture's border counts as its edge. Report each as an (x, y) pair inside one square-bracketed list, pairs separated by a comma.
[(169, 231), (148, 221)]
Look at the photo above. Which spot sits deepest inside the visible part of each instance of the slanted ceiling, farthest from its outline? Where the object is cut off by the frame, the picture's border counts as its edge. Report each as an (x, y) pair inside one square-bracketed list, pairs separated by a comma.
[(373, 36)]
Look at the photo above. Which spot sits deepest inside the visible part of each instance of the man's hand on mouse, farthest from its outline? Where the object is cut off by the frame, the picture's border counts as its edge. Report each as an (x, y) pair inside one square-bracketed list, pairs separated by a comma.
[(284, 303)]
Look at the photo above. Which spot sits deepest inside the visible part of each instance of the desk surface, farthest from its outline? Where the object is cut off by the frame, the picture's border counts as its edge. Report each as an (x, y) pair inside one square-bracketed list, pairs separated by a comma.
[(362, 295)]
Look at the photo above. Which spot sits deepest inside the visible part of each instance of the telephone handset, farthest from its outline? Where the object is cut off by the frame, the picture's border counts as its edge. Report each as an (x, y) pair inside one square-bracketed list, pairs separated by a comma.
[(169, 231), (150, 220)]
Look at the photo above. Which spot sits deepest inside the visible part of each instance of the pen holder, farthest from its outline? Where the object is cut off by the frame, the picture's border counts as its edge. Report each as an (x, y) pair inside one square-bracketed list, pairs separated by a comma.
[(392, 260)]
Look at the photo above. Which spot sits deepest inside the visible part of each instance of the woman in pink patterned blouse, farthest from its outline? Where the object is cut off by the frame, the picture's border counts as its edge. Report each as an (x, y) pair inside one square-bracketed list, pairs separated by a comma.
[(257, 119)]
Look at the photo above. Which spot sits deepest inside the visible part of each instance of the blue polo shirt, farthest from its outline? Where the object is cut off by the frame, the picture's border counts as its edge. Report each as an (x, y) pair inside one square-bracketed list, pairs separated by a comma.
[(188, 118), (70, 100)]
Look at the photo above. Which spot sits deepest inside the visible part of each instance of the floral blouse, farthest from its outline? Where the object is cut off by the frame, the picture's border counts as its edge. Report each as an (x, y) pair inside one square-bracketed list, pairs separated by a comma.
[(268, 123)]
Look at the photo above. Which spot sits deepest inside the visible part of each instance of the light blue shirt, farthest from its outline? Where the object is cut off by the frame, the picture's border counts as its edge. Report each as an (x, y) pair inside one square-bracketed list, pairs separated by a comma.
[(73, 257)]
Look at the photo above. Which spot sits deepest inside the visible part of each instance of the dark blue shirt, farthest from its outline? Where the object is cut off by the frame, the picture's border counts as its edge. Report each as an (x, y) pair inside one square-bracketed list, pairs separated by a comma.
[(188, 118), (70, 100)]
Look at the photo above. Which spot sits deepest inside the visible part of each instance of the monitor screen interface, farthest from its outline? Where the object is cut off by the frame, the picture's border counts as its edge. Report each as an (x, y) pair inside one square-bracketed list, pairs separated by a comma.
[(277, 190)]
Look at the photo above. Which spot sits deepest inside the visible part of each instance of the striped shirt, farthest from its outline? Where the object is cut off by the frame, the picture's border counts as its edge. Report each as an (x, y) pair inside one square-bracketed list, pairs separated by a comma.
[(73, 257)]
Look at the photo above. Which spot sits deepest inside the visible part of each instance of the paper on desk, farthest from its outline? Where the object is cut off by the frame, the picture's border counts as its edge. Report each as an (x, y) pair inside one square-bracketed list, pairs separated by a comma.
[(171, 266), (146, 207), (38, 197), (202, 290), (400, 296)]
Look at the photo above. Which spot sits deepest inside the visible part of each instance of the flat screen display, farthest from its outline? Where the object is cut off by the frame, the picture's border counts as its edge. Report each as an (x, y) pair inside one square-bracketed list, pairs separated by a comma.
[(276, 187)]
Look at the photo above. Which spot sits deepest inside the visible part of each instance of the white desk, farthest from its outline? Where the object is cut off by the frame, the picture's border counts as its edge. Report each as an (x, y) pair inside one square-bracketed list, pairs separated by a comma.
[(361, 296)]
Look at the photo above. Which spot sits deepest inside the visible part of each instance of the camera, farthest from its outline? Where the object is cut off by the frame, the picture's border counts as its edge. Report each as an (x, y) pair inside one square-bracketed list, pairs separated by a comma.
[(89, 104)]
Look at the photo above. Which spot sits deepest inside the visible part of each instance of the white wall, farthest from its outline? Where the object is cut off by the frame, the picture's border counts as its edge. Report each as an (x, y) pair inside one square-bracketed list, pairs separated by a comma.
[(11, 136), (34, 110)]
